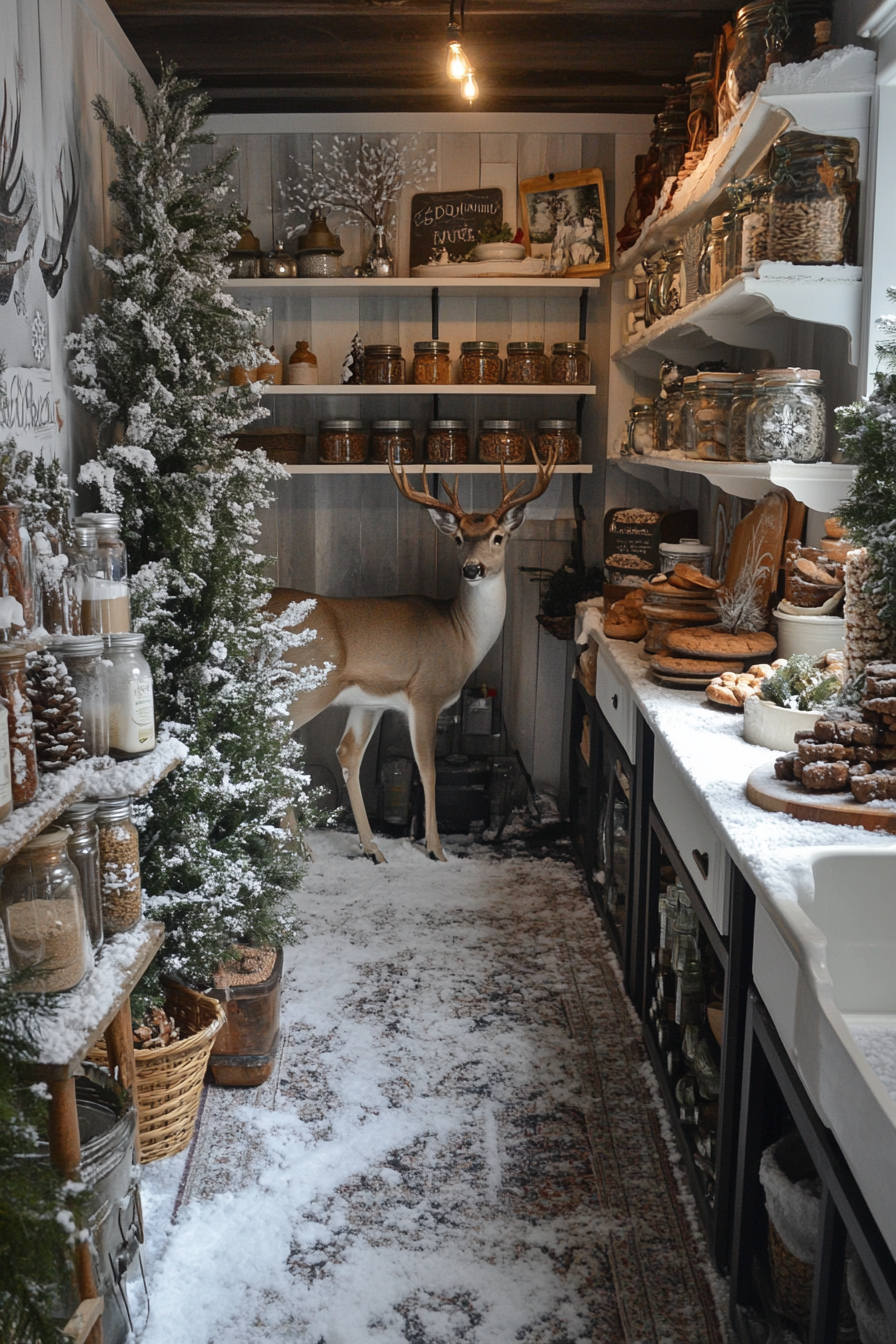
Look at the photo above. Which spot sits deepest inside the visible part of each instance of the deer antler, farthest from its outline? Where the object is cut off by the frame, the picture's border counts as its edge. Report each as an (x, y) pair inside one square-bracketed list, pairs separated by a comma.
[(545, 471), (424, 497)]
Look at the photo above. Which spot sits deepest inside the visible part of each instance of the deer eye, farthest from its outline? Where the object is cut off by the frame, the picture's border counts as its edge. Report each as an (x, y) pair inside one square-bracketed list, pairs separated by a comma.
[(498, 539), (459, 540)]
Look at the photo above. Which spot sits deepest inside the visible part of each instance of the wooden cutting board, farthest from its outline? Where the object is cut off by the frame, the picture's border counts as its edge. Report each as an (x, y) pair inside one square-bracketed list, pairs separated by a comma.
[(838, 809), (758, 544)]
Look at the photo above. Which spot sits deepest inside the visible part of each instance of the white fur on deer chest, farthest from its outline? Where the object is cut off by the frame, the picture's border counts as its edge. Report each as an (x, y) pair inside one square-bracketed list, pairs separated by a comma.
[(355, 697), (483, 605)]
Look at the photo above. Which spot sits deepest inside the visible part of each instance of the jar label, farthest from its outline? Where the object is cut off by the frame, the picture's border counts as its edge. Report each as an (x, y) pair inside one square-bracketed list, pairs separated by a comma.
[(142, 709)]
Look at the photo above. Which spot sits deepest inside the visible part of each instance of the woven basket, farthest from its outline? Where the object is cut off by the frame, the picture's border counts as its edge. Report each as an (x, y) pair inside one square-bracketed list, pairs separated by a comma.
[(286, 446), (792, 1282), (169, 1079), (561, 627)]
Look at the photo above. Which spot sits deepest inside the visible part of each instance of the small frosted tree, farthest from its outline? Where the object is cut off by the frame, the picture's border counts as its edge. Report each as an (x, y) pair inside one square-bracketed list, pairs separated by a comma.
[(216, 861)]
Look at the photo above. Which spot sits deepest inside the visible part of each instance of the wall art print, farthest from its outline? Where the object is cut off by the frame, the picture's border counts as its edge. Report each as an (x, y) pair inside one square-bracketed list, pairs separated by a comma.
[(564, 218)]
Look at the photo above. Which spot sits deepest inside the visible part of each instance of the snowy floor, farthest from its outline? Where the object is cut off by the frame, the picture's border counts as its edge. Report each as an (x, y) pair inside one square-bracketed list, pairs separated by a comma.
[(460, 1141)]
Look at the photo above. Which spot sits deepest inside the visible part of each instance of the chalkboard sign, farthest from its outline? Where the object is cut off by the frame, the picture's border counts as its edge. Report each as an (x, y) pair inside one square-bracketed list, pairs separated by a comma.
[(452, 220)]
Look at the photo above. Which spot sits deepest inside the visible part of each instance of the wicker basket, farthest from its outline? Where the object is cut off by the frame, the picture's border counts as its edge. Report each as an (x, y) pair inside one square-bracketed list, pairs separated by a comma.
[(286, 446), (169, 1080), (792, 1282), (561, 627)]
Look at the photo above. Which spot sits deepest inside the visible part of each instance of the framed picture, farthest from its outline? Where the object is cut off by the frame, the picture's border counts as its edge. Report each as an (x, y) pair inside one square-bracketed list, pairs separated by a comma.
[(564, 218)]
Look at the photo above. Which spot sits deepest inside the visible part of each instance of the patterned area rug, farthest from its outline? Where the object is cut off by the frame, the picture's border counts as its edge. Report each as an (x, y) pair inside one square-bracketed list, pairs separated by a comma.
[(460, 1144)]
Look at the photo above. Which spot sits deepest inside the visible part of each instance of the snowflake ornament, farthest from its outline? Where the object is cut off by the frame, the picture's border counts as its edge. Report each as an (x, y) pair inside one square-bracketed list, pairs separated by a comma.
[(39, 336)]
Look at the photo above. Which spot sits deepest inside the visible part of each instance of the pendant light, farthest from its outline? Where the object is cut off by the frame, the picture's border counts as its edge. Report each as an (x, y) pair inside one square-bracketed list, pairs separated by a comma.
[(457, 66)]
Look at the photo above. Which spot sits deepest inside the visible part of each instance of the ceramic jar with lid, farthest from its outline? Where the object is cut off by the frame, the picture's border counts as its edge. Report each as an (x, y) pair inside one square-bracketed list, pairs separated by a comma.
[(84, 852), (480, 362), (302, 368), (711, 414), (120, 889), (43, 915), (560, 436), (570, 362), (341, 441), (278, 265), (447, 441), (132, 723), (383, 364), (392, 441), (84, 659), (318, 250), (642, 427), (20, 723), (526, 362), (502, 441), (786, 418), (432, 362)]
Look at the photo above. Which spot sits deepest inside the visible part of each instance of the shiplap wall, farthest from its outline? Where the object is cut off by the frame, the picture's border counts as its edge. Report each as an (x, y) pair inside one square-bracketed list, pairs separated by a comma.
[(354, 536)]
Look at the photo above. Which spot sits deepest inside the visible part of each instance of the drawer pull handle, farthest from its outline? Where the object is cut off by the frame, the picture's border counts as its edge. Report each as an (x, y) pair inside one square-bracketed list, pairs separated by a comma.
[(702, 862), (615, 701)]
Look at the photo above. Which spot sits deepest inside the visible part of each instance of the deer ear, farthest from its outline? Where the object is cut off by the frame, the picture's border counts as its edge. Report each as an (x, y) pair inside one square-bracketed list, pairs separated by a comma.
[(514, 516), (445, 522)]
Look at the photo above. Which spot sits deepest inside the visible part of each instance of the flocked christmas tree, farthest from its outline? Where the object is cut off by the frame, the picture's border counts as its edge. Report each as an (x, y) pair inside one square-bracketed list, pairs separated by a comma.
[(868, 437), (216, 861)]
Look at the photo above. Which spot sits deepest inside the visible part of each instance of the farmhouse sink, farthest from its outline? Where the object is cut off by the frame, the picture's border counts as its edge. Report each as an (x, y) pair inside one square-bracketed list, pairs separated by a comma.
[(824, 962)]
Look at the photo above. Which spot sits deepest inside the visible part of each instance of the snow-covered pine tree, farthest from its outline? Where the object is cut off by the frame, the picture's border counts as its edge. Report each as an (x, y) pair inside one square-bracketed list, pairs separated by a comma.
[(217, 864), (868, 437)]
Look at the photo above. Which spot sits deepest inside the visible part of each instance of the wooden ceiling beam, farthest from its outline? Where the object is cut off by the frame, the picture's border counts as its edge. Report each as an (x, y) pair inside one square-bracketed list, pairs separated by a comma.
[(477, 10)]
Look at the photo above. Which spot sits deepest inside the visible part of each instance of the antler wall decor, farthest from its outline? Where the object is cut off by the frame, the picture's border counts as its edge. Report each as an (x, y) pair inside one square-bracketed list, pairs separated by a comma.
[(13, 195), (54, 258)]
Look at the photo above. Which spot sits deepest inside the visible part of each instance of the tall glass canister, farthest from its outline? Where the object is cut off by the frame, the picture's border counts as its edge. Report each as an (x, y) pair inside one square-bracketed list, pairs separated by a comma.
[(132, 726), (106, 603), (83, 656)]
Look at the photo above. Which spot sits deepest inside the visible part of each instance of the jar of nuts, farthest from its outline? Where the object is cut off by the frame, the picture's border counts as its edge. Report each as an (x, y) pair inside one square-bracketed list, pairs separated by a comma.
[(432, 362), (341, 441), (526, 362), (14, 698), (392, 441), (559, 436), (480, 362), (812, 215), (502, 441), (383, 364), (447, 441), (119, 865), (570, 362), (43, 915)]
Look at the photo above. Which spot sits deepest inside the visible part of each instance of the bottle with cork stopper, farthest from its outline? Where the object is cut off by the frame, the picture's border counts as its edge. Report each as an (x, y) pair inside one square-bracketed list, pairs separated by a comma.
[(302, 370)]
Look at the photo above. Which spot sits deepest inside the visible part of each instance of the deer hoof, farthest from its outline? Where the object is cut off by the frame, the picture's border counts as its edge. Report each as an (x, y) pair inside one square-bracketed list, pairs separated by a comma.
[(376, 855), (437, 855)]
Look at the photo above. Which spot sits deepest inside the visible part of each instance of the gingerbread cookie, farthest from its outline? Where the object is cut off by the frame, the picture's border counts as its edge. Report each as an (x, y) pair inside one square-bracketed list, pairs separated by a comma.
[(826, 776)]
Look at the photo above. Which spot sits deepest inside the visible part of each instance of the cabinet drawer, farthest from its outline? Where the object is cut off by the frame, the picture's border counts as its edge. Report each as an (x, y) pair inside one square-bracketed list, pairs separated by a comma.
[(614, 696), (701, 850)]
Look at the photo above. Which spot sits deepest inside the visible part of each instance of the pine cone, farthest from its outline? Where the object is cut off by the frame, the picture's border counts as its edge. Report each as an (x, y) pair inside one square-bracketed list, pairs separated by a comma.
[(56, 706)]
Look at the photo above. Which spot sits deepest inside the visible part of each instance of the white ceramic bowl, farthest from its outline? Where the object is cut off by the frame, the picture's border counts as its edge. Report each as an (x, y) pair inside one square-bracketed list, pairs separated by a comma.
[(808, 634), (769, 725), (498, 252)]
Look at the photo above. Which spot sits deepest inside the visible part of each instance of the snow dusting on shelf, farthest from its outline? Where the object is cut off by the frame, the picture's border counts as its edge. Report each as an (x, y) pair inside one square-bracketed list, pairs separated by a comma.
[(114, 779)]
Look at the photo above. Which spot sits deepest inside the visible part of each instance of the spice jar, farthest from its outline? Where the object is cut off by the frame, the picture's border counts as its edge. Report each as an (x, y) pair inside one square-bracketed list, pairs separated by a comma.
[(558, 436), (432, 362), (392, 441), (526, 362), (84, 852), (20, 724), (119, 865), (15, 580), (786, 418), (742, 395), (82, 656), (302, 369), (480, 362), (668, 422), (132, 725), (447, 441), (570, 362), (43, 915), (711, 414), (642, 427), (341, 441), (102, 575), (502, 441), (813, 200), (5, 770), (383, 364)]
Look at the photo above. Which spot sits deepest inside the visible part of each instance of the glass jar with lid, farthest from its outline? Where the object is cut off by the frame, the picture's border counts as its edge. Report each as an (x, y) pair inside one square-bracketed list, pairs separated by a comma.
[(83, 658), (132, 724), (689, 551), (84, 852), (432, 362), (120, 889), (760, 30), (786, 418), (526, 362), (43, 915), (670, 283), (741, 396), (101, 560), (447, 441), (20, 723), (5, 770), (383, 364), (751, 210), (392, 441), (480, 362), (570, 363), (813, 200), (690, 400), (711, 414), (15, 569), (502, 441), (690, 994), (684, 939), (642, 427), (560, 436), (721, 250), (668, 422), (341, 441)]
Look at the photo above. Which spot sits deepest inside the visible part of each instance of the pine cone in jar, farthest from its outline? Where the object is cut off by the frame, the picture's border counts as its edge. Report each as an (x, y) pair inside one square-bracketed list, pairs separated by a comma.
[(59, 739)]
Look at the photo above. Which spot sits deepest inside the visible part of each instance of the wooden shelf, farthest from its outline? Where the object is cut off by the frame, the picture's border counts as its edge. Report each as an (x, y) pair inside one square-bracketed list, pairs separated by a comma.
[(821, 485), (497, 286), (438, 390), (55, 793), (433, 469)]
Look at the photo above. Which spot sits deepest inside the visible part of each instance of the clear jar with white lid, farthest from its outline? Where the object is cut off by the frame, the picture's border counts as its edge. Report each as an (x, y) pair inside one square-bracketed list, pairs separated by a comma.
[(132, 725), (688, 551), (84, 660)]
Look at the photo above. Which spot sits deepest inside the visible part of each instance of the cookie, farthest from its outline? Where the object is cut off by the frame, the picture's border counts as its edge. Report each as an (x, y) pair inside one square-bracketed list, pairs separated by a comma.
[(695, 578)]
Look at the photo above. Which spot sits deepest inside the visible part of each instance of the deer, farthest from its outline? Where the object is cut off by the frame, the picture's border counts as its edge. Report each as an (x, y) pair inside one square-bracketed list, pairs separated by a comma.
[(413, 654)]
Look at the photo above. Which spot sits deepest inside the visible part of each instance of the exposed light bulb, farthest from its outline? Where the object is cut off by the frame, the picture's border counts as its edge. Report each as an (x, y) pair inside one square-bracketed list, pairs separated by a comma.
[(458, 65), (469, 88)]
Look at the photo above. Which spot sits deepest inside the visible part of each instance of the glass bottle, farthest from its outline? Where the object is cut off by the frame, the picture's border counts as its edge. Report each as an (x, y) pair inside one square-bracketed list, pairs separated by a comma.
[(83, 658), (380, 261), (120, 891), (43, 915), (84, 852), (5, 770), (132, 725), (690, 995), (642, 427), (105, 598), (15, 581), (20, 724), (812, 211)]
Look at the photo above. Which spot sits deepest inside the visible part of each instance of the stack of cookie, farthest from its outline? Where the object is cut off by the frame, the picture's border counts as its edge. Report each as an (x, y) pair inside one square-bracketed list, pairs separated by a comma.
[(851, 749), (733, 689)]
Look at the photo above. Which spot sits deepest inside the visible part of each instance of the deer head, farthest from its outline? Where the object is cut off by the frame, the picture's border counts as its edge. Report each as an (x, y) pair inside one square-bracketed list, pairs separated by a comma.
[(481, 537), (54, 259)]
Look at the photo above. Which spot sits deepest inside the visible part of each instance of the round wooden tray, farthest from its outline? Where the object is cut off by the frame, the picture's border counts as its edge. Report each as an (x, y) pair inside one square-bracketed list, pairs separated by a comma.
[(838, 809), (681, 683), (701, 667)]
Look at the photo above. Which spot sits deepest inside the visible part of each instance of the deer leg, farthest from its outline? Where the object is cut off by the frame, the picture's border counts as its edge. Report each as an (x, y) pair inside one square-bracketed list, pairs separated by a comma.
[(358, 732), (423, 722)]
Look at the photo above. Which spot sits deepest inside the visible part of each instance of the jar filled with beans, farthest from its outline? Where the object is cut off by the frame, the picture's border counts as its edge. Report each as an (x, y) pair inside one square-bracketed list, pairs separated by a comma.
[(341, 441), (526, 362), (447, 441), (119, 865), (480, 362), (812, 215), (383, 364), (558, 436), (502, 441), (392, 441), (432, 362), (570, 362)]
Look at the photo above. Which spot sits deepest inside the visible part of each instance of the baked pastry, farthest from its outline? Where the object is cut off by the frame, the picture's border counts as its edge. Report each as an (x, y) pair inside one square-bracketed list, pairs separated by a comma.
[(733, 688), (880, 784), (834, 528), (693, 667), (826, 776), (711, 642), (625, 619), (855, 734), (687, 576)]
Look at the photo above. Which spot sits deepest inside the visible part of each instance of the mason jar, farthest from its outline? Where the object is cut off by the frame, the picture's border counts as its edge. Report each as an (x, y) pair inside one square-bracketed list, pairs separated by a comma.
[(120, 890), (5, 770), (786, 418), (759, 34), (502, 441), (20, 724), (711, 414), (526, 362), (132, 724), (341, 441), (480, 362), (84, 852), (43, 915), (432, 362), (560, 436), (383, 364), (83, 657), (447, 441), (570, 362), (112, 551), (812, 212), (741, 396), (642, 427), (392, 441), (690, 400)]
